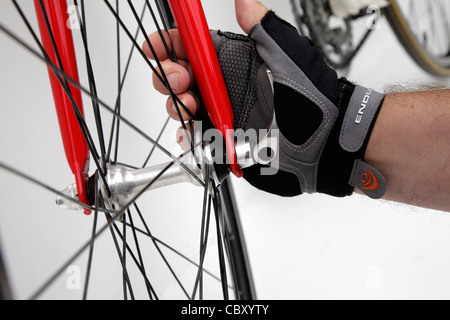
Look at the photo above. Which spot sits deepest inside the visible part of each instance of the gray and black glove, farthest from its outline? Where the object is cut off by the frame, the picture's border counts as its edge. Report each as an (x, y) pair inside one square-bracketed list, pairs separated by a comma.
[(324, 121)]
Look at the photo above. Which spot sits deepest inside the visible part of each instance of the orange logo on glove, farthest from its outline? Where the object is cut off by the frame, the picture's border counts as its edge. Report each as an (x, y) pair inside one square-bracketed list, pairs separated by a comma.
[(370, 181)]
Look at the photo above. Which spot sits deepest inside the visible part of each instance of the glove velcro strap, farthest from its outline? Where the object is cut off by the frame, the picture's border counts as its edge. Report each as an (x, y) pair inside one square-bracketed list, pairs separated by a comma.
[(361, 113), (347, 143), (367, 179), (358, 122)]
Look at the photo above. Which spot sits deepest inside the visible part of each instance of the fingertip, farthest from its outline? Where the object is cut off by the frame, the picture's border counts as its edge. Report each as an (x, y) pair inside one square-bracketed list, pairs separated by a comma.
[(187, 108), (155, 41), (177, 75), (249, 13), (162, 45), (184, 137)]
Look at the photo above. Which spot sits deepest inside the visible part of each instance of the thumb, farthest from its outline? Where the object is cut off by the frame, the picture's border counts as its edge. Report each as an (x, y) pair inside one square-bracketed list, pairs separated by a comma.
[(249, 13)]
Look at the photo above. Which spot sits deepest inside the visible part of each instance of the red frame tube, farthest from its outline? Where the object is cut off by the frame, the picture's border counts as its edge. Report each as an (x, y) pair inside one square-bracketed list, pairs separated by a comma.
[(197, 41), (75, 145)]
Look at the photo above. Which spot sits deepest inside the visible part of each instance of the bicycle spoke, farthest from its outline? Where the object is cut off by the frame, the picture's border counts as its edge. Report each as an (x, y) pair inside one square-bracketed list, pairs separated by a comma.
[(161, 70), (161, 132), (121, 255), (67, 78), (117, 216), (92, 84), (178, 253), (430, 26), (64, 82), (45, 186), (138, 265), (106, 152), (444, 42), (121, 81), (445, 18), (150, 290), (102, 103), (170, 53), (159, 250), (119, 77), (206, 214), (219, 224), (124, 257), (91, 246), (154, 70)]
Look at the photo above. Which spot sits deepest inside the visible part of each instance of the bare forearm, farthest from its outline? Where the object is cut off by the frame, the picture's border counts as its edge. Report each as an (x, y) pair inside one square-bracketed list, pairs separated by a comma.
[(410, 145)]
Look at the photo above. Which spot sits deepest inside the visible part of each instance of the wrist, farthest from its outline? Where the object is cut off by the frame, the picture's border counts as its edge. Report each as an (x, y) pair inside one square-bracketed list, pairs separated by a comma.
[(415, 169), (342, 165)]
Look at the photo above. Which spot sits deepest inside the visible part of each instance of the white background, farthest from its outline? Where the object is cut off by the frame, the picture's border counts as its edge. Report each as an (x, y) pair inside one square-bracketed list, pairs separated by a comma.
[(310, 247)]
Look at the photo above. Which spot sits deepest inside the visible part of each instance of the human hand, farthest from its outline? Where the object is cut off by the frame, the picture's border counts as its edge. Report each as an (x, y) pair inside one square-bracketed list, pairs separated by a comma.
[(324, 121), (179, 75)]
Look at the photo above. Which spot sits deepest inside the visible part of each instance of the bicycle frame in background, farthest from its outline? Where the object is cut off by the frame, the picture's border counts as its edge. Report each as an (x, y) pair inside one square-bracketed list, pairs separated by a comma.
[(420, 26)]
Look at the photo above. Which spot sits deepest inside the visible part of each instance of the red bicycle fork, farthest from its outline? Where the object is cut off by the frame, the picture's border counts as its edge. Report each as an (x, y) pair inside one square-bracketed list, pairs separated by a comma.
[(196, 37), (58, 43)]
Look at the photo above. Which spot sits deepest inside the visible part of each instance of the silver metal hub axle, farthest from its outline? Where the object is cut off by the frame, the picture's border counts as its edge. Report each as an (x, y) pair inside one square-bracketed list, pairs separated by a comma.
[(122, 185), (126, 184)]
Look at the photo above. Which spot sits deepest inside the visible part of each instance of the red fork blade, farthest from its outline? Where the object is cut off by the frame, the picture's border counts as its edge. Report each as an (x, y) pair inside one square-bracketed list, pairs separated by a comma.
[(197, 41), (75, 145)]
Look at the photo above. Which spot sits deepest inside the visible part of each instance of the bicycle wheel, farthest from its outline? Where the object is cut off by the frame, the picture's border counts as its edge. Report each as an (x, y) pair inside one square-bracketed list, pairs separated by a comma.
[(176, 241), (337, 38), (423, 28)]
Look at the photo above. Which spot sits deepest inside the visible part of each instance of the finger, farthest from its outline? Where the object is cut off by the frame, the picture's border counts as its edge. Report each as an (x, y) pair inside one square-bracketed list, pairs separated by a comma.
[(184, 137), (249, 13), (188, 101), (160, 46), (179, 76)]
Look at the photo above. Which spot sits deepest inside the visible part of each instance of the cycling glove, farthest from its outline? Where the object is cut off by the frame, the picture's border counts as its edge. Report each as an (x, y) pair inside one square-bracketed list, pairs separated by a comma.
[(324, 121)]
